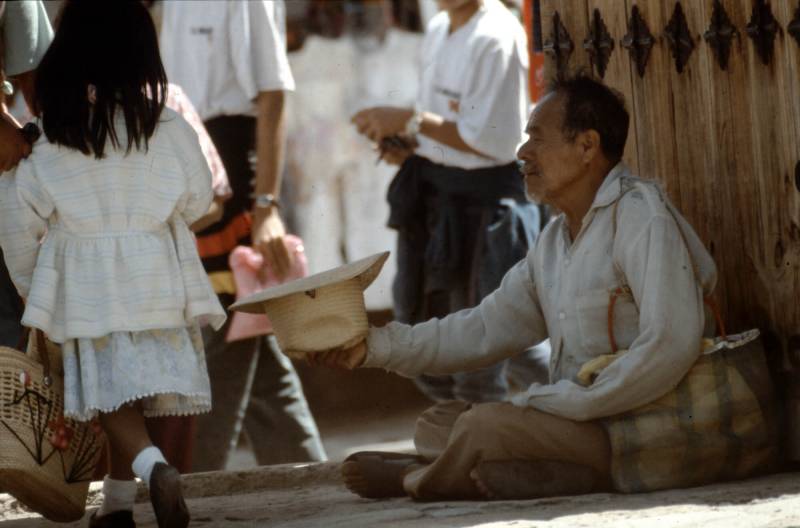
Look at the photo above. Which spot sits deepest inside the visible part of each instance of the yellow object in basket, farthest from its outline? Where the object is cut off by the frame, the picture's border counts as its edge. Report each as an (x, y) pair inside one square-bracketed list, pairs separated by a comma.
[(592, 368)]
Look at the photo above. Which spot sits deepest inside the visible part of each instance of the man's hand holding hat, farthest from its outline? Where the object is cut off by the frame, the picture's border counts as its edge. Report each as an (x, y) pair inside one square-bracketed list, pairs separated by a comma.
[(345, 358)]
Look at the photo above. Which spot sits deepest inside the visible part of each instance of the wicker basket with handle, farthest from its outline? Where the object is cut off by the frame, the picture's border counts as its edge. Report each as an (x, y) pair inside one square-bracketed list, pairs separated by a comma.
[(46, 460)]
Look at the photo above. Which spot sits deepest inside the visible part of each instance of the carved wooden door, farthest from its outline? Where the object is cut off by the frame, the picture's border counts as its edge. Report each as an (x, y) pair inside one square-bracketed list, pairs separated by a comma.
[(713, 87)]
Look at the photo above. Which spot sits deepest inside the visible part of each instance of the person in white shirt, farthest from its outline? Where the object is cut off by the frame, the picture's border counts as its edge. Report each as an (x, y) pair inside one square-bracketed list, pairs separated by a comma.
[(458, 200), (615, 230), (230, 59)]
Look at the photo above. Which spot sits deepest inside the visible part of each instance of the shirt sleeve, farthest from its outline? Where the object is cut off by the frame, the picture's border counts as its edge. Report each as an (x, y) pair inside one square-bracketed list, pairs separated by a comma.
[(179, 102), (659, 272), (27, 35), (493, 105), (197, 198), (258, 45), (504, 324), (25, 207)]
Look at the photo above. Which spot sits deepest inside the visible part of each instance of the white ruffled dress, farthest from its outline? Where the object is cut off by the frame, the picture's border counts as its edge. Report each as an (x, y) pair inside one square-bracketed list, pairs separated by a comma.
[(102, 252)]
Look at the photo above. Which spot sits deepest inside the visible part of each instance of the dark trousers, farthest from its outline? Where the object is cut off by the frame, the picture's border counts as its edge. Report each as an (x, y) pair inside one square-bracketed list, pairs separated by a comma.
[(256, 391), (11, 309)]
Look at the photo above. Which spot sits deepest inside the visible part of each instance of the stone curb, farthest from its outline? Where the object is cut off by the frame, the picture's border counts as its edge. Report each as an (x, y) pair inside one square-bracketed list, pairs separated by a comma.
[(217, 483), (283, 476)]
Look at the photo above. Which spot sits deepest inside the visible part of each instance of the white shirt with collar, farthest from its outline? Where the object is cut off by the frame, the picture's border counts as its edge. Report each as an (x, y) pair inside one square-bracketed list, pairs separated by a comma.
[(561, 291), (477, 78), (223, 53)]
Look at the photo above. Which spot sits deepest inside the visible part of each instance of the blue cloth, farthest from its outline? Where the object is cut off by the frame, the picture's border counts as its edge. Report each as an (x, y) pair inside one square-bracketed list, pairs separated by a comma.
[(459, 232), (434, 208)]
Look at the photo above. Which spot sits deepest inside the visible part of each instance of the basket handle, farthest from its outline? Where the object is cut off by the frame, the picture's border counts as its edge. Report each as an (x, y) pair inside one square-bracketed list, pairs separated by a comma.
[(41, 347), (612, 301)]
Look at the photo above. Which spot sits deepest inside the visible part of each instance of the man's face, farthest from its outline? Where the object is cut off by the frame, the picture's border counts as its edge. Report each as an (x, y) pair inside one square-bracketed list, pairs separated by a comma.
[(551, 162)]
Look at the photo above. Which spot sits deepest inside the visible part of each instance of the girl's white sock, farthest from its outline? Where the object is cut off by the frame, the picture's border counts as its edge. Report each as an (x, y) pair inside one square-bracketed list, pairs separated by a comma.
[(143, 463), (118, 495)]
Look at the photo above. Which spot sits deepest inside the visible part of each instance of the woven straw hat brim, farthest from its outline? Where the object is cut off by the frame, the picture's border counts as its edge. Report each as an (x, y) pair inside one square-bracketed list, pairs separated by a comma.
[(366, 270)]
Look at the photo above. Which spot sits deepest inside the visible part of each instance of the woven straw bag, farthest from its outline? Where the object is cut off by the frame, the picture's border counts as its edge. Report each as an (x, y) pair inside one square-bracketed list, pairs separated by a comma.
[(46, 461)]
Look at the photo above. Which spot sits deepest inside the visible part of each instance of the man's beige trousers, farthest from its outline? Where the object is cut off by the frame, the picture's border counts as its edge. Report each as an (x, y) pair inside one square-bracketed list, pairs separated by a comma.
[(455, 436)]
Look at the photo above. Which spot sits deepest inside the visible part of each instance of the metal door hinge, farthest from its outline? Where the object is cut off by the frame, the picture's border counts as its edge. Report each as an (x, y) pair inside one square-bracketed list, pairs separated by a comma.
[(762, 28), (720, 33), (797, 176), (794, 26), (638, 40), (679, 38), (559, 45), (599, 44)]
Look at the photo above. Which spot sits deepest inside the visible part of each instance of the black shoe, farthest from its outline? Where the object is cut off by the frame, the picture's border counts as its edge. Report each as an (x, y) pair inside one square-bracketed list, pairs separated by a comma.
[(117, 519), (166, 495)]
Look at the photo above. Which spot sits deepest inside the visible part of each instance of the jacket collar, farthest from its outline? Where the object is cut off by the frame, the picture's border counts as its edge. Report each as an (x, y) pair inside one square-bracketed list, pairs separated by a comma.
[(609, 191)]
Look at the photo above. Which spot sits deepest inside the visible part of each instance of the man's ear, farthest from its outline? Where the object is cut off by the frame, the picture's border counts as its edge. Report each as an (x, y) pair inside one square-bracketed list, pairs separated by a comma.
[(589, 142)]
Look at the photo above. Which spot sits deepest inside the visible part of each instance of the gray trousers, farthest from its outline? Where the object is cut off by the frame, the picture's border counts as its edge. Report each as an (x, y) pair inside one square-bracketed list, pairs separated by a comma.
[(255, 390)]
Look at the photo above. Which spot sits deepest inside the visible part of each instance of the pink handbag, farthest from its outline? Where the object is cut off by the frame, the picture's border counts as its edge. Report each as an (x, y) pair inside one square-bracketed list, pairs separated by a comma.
[(251, 274)]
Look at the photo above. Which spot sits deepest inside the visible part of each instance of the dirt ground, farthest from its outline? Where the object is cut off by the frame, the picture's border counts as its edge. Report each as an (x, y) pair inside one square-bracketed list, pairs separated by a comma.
[(311, 496)]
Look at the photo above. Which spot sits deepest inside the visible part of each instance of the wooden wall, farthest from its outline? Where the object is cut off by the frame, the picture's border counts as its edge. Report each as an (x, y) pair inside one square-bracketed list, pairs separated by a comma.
[(726, 145)]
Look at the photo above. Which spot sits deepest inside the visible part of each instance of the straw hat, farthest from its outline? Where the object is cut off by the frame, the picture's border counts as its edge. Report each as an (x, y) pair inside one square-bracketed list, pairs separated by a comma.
[(319, 312)]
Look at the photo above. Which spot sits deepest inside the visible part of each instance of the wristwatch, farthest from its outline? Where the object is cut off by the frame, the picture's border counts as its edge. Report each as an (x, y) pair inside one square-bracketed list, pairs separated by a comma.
[(414, 124), (265, 201)]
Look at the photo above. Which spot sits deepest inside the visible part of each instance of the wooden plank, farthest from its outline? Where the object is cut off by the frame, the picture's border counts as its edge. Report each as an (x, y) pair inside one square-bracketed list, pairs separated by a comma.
[(618, 72), (573, 14), (729, 178), (776, 257), (653, 106), (692, 93), (789, 325)]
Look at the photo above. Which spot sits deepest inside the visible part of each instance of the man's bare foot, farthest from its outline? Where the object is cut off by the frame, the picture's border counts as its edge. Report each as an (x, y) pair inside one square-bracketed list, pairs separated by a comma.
[(532, 479), (378, 475)]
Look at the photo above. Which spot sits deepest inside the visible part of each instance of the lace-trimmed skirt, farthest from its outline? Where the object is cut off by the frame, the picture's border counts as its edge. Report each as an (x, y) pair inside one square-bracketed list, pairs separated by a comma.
[(165, 370)]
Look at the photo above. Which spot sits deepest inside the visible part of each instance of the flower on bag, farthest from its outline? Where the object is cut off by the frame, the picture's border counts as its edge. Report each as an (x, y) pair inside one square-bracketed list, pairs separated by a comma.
[(62, 434), (25, 378)]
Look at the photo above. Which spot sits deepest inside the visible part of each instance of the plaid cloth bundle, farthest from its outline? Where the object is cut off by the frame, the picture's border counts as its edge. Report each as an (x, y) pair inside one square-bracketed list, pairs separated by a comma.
[(721, 422)]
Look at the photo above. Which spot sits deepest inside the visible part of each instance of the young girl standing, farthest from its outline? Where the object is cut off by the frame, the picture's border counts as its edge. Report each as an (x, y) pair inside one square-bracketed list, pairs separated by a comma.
[(94, 227)]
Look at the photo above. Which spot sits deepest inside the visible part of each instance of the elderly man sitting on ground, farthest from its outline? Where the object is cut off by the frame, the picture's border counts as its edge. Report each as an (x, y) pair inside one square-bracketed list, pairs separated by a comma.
[(616, 233)]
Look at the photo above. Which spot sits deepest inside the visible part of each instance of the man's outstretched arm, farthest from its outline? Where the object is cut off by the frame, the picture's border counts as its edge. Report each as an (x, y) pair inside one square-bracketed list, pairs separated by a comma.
[(506, 323)]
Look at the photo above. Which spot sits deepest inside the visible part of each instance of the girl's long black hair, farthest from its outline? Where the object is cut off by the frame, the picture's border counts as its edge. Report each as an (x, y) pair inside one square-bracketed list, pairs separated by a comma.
[(111, 45)]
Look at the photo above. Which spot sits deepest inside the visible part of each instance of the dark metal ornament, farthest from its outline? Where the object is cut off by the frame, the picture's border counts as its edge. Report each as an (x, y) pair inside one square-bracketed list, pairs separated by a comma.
[(679, 38), (559, 46), (763, 28), (638, 40), (794, 26), (797, 176), (599, 44), (720, 33)]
